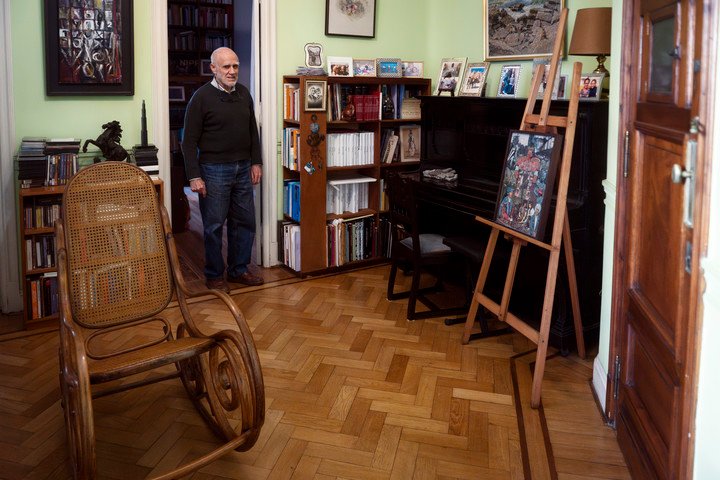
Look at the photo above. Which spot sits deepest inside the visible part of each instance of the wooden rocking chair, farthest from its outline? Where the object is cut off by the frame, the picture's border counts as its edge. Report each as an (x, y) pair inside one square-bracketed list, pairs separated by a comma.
[(118, 270)]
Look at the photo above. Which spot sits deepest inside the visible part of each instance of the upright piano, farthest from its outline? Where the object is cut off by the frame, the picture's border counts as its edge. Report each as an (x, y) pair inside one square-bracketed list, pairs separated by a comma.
[(470, 135)]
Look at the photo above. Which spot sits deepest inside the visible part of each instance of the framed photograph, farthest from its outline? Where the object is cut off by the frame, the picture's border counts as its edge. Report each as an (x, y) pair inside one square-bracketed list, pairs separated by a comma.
[(388, 67), (315, 98), (88, 47), (474, 79), (313, 55), (409, 143), (205, 68), (527, 182), (451, 72), (412, 69), (340, 66), (509, 78), (543, 85), (176, 93), (591, 86), (350, 18), (562, 84), (520, 30), (364, 68)]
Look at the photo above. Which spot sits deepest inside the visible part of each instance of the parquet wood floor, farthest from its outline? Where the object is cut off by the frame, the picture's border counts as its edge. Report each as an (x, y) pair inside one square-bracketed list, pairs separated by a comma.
[(353, 391)]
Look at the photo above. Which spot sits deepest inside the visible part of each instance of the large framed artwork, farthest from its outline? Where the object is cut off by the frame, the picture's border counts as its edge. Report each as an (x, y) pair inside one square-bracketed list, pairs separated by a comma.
[(527, 182), (88, 47), (522, 29), (350, 18)]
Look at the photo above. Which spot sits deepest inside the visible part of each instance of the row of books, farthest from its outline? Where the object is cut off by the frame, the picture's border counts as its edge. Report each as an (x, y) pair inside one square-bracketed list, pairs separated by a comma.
[(291, 148), (291, 245), (291, 102), (41, 212), (61, 167), (389, 146), (190, 16), (350, 149), (347, 195), (43, 298), (291, 199), (366, 101), (350, 240), (39, 252)]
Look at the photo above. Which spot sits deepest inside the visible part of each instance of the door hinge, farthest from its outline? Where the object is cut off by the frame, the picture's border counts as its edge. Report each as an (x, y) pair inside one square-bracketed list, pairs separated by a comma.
[(626, 153), (616, 378)]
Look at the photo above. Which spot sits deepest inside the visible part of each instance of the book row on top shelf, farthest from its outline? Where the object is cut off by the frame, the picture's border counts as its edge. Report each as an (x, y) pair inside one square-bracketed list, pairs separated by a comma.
[(335, 149)]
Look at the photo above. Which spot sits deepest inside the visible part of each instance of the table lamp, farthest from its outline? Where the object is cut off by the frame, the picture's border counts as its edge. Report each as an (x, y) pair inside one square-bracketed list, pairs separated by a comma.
[(591, 35)]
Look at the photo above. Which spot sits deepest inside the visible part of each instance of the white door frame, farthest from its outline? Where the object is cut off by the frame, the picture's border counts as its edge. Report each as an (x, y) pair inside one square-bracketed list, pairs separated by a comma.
[(266, 111)]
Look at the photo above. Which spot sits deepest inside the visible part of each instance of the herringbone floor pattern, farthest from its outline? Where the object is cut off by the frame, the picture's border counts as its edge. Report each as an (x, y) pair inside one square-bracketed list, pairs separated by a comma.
[(353, 391)]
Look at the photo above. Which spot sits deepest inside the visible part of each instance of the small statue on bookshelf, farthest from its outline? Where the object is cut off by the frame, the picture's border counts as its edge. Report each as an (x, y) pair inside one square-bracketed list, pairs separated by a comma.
[(109, 143)]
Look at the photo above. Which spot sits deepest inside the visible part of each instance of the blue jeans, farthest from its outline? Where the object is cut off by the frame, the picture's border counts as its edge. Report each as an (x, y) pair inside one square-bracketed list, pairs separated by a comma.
[(229, 197)]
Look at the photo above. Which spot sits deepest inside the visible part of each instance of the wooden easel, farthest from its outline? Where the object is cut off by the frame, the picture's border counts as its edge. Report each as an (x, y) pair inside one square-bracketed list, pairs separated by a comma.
[(541, 123)]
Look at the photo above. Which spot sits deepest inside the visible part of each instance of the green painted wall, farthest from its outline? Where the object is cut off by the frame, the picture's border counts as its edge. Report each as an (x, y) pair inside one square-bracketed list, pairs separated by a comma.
[(68, 116)]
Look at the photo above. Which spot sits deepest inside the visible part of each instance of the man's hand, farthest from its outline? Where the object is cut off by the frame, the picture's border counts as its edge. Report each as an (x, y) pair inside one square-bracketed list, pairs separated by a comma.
[(255, 174), (198, 185)]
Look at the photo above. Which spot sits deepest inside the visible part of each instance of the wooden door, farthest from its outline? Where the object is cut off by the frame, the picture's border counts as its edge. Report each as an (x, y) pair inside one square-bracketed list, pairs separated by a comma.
[(657, 242)]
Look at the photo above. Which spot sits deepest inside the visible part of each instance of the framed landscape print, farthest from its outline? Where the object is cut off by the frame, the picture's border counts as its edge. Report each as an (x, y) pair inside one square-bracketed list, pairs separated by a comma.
[(315, 98), (88, 47), (451, 72), (474, 79), (509, 78), (521, 29), (350, 18), (527, 182)]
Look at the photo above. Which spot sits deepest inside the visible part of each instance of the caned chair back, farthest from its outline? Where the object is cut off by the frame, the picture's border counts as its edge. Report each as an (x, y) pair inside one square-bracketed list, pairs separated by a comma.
[(118, 264)]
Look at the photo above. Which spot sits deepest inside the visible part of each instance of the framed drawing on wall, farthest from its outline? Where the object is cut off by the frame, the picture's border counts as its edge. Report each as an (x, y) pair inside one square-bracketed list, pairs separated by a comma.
[(520, 30), (88, 50), (350, 18), (527, 182)]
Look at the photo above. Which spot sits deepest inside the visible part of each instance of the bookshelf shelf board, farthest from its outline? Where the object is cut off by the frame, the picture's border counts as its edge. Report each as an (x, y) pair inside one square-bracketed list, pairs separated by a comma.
[(37, 191), (40, 271), (351, 168), (399, 120), (399, 164), (38, 231), (349, 216), (290, 121)]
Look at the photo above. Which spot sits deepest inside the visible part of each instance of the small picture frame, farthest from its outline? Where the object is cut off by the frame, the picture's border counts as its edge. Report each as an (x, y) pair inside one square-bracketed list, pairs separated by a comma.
[(474, 79), (528, 177), (409, 143), (340, 66), (412, 69), (315, 95), (562, 85), (363, 68), (388, 67), (176, 93), (509, 78), (451, 74), (313, 55), (591, 86), (205, 68), (543, 85)]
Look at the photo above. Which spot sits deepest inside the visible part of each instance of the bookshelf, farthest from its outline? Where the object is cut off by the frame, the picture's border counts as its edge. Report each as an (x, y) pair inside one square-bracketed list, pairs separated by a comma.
[(333, 192)]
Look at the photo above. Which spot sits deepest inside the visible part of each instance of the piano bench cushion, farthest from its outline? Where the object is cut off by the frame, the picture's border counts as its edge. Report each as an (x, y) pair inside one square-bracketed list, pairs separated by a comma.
[(471, 248), (429, 243)]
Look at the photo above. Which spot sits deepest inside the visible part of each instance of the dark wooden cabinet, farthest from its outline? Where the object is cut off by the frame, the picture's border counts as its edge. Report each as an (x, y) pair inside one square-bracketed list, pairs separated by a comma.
[(470, 135)]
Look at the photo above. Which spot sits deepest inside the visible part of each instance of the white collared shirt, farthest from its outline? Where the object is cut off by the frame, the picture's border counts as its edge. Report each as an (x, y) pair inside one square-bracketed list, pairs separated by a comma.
[(215, 84)]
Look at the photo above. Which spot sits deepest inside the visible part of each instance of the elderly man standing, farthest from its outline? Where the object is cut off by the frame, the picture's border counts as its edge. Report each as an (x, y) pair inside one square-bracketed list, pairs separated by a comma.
[(223, 161)]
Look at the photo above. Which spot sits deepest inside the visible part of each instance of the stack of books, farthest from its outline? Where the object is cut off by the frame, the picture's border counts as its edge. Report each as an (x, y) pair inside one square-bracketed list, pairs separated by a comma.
[(32, 163), (146, 158)]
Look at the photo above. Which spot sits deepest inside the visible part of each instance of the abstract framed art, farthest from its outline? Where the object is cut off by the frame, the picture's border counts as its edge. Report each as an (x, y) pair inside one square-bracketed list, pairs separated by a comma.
[(88, 49), (350, 18)]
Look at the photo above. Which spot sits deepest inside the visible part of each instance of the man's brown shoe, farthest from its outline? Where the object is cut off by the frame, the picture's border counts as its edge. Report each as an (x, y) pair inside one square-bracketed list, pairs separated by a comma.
[(247, 278), (217, 284)]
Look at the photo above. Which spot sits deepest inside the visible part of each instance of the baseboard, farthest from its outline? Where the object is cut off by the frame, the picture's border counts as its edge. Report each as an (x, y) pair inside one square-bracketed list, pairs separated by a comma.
[(599, 381)]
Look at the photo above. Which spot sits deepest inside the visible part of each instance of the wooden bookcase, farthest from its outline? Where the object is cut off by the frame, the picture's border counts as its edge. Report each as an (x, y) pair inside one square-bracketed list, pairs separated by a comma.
[(38, 209), (312, 173)]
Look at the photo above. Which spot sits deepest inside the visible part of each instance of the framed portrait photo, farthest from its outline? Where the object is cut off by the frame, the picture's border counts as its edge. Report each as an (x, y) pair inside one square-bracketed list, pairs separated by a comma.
[(591, 86), (562, 86), (412, 69), (350, 18), (205, 68), (313, 55), (474, 79), (315, 95), (340, 66), (409, 143), (545, 73), (451, 74), (363, 68), (176, 93), (388, 67), (528, 178), (88, 47), (520, 30), (509, 78)]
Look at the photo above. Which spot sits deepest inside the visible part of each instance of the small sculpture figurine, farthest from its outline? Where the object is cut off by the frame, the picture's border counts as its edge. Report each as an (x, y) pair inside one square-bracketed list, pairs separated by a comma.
[(109, 143)]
